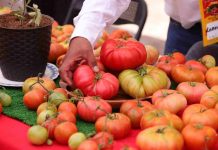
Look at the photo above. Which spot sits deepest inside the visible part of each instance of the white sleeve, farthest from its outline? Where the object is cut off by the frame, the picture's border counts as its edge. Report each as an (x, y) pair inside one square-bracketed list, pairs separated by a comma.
[(95, 15)]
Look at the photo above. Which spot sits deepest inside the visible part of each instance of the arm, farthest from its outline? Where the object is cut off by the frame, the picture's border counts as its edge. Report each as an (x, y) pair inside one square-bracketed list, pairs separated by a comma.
[(94, 16)]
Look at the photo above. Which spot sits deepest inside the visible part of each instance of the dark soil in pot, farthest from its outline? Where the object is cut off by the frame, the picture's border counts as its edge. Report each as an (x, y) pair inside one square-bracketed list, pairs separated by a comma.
[(24, 48)]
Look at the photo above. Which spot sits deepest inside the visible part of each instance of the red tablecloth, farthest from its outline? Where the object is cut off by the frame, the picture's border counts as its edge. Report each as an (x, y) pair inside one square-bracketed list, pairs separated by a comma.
[(13, 136)]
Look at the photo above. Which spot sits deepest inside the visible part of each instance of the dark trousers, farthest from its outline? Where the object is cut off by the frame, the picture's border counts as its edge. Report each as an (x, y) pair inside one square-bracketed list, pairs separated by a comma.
[(57, 9), (181, 39)]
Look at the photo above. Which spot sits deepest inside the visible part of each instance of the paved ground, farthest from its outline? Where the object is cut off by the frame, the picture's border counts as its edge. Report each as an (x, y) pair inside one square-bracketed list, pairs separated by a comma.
[(155, 29)]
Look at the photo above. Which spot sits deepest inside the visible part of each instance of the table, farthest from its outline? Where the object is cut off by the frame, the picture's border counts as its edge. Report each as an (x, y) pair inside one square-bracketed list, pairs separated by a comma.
[(13, 136)]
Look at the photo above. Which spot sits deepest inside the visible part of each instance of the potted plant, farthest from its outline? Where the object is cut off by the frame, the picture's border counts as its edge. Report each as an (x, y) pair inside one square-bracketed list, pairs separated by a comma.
[(25, 37)]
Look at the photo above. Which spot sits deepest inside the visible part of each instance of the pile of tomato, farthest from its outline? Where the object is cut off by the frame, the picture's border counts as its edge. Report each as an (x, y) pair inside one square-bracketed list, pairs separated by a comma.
[(169, 120)]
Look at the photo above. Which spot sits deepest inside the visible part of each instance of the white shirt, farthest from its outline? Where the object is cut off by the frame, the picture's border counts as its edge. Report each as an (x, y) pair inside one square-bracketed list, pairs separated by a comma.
[(97, 14), (187, 12)]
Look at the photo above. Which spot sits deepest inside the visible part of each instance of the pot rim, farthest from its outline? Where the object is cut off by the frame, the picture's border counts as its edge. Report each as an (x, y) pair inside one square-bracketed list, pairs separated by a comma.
[(16, 29)]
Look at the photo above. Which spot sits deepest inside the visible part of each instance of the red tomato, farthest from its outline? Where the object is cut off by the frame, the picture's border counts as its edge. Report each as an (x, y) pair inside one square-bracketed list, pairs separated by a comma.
[(169, 100), (197, 65), (50, 125), (209, 99), (66, 116), (91, 108), (63, 131), (119, 54), (160, 117), (182, 73), (160, 138), (67, 106), (104, 140), (134, 110), (197, 113), (166, 64), (192, 91), (88, 145), (199, 137), (33, 99), (100, 84), (212, 77), (117, 124)]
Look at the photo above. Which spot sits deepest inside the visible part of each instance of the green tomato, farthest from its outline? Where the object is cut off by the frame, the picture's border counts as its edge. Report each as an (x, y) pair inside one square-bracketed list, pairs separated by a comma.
[(57, 98), (37, 135), (5, 99), (75, 140)]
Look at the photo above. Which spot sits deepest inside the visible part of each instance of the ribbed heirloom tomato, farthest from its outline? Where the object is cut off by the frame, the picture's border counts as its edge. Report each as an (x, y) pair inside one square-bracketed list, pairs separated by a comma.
[(160, 138), (143, 82), (117, 54), (134, 109), (117, 124), (91, 108), (100, 84)]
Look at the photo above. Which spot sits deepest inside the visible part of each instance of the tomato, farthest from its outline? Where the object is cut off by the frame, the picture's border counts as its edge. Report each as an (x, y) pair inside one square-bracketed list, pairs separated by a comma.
[(37, 135), (104, 140), (100, 84), (50, 125), (31, 83), (33, 99), (204, 137), (143, 82), (166, 64), (197, 65), (57, 98), (160, 117), (152, 54), (46, 106), (45, 115), (75, 140), (212, 77), (160, 138), (63, 131), (192, 91), (120, 34), (5, 99), (209, 99), (208, 60), (117, 124), (56, 50), (66, 116), (118, 55), (61, 90), (67, 106), (126, 147), (175, 56), (182, 73), (134, 110), (88, 145), (198, 113), (91, 108), (169, 100)]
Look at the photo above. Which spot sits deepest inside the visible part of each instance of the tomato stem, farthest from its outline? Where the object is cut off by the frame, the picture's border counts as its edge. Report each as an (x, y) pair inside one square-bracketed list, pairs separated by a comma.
[(193, 84), (142, 71), (160, 130)]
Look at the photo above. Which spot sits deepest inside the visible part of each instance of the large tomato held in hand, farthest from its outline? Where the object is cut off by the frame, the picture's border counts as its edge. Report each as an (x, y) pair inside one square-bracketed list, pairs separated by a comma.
[(118, 55), (100, 84)]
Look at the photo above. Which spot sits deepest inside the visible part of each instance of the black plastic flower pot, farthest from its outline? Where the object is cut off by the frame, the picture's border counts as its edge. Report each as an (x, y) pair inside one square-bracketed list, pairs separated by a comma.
[(24, 52)]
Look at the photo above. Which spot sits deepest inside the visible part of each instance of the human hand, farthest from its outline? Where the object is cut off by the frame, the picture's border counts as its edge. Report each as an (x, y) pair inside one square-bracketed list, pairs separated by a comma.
[(80, 51)]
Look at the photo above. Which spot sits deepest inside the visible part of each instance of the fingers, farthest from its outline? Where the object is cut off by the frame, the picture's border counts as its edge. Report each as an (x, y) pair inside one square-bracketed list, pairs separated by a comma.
[(66, 74), (92, 63)]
